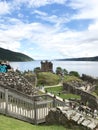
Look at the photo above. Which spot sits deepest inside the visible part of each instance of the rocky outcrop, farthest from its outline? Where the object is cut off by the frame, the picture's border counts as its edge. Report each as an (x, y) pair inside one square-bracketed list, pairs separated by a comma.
[(16, 81), (71, 118)]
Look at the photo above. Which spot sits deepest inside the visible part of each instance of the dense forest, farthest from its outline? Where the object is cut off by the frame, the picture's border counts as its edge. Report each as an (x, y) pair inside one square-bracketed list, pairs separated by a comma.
[(13, 56)]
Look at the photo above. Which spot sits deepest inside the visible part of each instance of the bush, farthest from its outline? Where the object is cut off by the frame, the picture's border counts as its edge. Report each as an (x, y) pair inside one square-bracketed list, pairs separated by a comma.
[(47, 78), (74, 73)]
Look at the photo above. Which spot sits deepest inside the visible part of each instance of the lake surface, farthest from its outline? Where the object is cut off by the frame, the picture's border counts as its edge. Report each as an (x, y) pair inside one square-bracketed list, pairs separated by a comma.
[(83, 67)]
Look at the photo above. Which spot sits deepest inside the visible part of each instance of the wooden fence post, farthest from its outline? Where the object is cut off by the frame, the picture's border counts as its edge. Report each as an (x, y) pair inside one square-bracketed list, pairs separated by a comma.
[(54, 101), (35, 112), (6, 101)]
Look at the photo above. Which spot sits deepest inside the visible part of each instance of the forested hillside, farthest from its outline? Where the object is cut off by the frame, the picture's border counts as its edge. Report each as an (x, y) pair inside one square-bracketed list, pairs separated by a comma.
[(13, 56)]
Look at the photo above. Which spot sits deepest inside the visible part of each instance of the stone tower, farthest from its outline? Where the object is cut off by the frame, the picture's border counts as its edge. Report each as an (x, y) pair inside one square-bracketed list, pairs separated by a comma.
[(46, 66)]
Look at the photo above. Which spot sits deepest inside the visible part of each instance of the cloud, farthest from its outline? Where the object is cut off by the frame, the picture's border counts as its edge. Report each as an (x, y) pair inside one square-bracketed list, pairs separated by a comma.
[(40, 13), (49, 35), (85, 9), (56, 20), (4, 8), (11, 45), (38, 3), (49, 40), (93, 26)]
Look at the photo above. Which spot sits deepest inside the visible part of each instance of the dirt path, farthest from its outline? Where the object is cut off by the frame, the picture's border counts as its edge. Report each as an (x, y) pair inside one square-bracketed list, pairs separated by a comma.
[(53, 86)]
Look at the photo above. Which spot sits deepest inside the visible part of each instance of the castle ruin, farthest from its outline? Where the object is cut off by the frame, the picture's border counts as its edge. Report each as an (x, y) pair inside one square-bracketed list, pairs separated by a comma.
[(46, 66)]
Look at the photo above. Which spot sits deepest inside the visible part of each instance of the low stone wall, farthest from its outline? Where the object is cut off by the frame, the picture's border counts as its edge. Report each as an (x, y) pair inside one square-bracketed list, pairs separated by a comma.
[(16, 81), (71, 119), (86, 97), (82, 85)]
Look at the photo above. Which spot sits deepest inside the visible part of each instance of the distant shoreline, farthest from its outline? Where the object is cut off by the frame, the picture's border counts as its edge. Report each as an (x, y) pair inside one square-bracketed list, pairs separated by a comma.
[(80, 59)]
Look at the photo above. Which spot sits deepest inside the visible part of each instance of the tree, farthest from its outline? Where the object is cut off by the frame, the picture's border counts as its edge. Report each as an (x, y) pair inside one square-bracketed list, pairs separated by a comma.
[(59, 71), (37, 70), (65, 72), (74, 73)]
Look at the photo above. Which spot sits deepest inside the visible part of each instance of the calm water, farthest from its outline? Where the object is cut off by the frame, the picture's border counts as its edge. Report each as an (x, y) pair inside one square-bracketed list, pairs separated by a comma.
[(83, 67)]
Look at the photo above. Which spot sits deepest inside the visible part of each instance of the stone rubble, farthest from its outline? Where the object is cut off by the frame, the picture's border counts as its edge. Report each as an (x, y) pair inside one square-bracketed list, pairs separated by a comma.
[(16, 81), (67, 116)]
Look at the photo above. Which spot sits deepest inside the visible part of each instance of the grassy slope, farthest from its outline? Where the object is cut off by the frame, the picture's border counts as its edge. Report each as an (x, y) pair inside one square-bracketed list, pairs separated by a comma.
[(7, 123)]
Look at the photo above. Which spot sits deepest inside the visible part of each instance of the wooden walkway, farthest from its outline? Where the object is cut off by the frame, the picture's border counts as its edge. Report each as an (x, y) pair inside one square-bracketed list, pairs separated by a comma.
[(31, 109)]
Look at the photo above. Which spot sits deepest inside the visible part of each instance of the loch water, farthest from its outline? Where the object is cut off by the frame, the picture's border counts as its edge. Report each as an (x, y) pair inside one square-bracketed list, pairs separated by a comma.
[(83, 67)]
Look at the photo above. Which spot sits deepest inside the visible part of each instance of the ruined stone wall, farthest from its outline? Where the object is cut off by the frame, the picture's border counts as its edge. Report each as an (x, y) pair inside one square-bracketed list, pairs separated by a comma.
[(86, 97), (16, 81), (71, 119), (88, 78)]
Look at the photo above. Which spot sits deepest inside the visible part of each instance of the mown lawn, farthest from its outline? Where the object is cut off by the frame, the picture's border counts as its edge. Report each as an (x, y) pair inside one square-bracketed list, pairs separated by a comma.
[(7, 123), (57, 91), (54, 90), (69, 96)]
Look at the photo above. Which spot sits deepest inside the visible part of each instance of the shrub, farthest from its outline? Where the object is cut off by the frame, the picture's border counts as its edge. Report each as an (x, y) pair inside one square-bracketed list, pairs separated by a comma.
[(74, 73), (47, 78)]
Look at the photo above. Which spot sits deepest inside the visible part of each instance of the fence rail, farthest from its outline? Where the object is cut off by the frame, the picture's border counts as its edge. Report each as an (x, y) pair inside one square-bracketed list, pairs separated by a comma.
[(32, 109)]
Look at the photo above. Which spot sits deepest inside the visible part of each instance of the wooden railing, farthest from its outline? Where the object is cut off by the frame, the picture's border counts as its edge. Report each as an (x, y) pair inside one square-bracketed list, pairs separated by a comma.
[(32, 109)]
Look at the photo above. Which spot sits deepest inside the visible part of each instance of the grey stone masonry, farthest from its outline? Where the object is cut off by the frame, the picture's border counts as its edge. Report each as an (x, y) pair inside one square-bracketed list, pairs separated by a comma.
[(16, 81), (71, 118)]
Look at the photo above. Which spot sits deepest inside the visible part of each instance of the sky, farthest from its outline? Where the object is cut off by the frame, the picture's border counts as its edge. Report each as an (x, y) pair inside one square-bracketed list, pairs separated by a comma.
[(50, 29)]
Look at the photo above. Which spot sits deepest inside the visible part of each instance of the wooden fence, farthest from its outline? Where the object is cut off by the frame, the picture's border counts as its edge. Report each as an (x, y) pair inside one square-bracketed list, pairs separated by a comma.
[(32, 109)]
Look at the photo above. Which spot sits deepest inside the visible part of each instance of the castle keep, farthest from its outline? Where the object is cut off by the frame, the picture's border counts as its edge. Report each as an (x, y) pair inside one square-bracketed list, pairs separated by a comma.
[(46, 66)]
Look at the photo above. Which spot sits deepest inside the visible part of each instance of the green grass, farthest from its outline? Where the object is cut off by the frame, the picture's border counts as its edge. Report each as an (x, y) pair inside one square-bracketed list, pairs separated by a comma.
[(7, 123), (54, 90), (58, 89), (68, 96), (71, 78), (95, 94)]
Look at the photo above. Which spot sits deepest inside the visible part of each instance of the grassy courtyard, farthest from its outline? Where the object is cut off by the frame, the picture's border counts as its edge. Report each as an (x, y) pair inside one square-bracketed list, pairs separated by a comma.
[(58, 92)]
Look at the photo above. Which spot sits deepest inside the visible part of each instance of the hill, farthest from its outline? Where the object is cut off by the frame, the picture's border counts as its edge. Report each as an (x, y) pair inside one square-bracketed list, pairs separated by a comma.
[(80, 59), (13, 56)]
